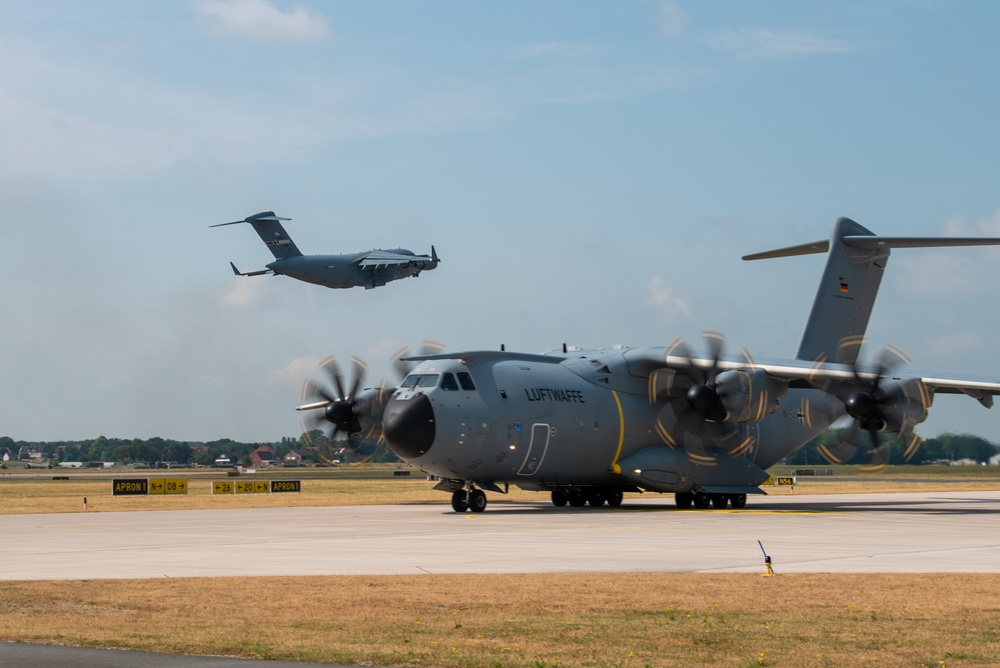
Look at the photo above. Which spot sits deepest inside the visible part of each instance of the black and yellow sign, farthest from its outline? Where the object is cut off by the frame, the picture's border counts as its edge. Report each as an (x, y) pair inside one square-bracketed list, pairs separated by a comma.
[(129, 487), (251, 487), (222, 487), (785, 481), (168, 486), (286, 486)]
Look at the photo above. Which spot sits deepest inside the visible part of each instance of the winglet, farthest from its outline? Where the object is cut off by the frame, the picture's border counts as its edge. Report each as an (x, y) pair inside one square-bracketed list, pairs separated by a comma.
[(434, 255)]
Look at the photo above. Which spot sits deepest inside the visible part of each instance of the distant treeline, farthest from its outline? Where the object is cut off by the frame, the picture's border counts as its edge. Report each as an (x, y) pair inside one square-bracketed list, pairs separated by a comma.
[(311, 447), (940, 449), (314, 447)]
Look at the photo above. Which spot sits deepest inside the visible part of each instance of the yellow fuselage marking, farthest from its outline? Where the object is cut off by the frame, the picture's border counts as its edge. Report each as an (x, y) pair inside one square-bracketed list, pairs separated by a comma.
[(621, 435)]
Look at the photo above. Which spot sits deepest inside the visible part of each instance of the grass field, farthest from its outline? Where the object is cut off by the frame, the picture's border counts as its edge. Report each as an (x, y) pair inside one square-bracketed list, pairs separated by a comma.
[(502, 621), (35, 491)]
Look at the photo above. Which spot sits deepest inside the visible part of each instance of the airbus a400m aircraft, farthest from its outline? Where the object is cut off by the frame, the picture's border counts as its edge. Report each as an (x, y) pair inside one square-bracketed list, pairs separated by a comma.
[(368, 269), (589, 425)]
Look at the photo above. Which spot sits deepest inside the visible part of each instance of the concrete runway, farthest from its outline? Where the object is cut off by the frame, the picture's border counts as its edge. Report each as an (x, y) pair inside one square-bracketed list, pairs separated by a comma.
[(947, 532)]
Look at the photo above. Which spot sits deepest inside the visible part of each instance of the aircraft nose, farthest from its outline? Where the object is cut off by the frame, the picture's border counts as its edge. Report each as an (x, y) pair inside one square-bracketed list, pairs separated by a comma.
[(408, 426)]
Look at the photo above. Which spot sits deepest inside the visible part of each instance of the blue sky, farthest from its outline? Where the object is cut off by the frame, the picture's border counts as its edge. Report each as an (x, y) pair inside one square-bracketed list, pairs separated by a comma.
[(590, 173)]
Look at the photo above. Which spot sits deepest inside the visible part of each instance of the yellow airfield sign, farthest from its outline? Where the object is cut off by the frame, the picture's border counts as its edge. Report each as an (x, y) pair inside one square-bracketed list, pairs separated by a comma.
[(222, 487), (168, 486)]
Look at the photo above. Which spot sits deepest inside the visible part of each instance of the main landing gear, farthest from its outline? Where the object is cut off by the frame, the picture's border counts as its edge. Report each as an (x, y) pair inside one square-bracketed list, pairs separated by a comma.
[(594, 496), (702, 500), (473, 500)]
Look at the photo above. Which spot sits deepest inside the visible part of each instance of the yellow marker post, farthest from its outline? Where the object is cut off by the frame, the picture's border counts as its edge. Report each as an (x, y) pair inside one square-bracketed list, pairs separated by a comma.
[(768, 571)]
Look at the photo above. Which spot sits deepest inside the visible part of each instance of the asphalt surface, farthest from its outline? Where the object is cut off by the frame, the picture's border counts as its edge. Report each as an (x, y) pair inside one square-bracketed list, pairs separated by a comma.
[(932, 532), (941, 532)]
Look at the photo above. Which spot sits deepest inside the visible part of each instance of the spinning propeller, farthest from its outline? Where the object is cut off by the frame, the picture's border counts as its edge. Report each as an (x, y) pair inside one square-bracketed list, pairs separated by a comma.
[(879, 403), (335, 409), (696, 416), (341, 411)]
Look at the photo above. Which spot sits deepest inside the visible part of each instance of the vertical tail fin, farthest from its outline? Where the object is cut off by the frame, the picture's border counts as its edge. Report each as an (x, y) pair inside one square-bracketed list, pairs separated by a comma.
[(845, 297), (271, 232), (843, 304)]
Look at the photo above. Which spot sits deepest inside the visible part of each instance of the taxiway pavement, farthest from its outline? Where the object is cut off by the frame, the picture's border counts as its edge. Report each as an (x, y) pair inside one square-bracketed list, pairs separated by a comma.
[(944, 532)]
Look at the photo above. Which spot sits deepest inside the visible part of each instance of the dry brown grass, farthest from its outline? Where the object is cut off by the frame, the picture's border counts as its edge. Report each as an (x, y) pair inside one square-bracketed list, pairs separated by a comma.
[(533, 621), (503, 621), (21, 494)]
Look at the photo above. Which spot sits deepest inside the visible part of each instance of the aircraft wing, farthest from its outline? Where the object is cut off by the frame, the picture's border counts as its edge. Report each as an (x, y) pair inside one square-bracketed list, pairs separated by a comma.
[(799, 373), (379, 258)]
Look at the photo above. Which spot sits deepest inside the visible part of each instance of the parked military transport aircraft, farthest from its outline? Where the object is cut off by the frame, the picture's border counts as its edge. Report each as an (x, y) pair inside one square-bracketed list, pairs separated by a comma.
[(370, 269), (590, 425)]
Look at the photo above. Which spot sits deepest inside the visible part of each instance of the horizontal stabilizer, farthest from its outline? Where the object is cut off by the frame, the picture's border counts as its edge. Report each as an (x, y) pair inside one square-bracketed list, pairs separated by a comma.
[(266, 215), (866, 242), (268, 227), (249, 273)]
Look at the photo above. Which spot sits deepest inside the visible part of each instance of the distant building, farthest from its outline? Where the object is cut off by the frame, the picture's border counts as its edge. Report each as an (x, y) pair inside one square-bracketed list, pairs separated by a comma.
[(31, 452), (293, 458), (264, 456)]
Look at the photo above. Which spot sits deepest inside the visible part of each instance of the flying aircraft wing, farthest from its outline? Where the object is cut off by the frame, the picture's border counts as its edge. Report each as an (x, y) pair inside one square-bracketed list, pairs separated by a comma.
[(379, 258)]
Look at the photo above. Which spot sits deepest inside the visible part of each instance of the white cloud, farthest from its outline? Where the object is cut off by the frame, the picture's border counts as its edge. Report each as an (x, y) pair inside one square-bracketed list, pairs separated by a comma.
[(960, 227), (776, 44), (260, 20), (298, 370), (671, 19), (666, 298), (242, 293)]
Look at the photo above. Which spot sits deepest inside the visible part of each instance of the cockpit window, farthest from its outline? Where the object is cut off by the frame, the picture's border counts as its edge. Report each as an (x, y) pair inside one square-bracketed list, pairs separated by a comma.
[(420, 380), (448, 382), (466, 380)]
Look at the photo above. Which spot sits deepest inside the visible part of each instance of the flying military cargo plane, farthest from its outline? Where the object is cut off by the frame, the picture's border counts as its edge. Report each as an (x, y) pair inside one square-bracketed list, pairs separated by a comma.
[(368, 269), (587, 426)]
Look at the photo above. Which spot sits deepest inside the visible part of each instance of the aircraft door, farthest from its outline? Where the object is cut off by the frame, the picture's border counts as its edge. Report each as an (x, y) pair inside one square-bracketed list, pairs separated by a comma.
[(537, 448)]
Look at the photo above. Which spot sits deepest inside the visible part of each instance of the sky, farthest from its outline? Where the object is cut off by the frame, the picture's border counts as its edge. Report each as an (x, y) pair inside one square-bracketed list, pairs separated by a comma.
[(590, 173)]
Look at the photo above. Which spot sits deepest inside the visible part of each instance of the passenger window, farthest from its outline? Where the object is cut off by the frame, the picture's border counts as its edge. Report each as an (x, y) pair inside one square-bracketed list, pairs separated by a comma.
[(448, 382), (466, 380)]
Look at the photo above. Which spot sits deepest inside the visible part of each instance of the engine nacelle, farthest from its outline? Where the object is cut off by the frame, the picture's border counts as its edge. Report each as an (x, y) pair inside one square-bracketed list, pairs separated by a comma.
[(904, 405), (749, 394)]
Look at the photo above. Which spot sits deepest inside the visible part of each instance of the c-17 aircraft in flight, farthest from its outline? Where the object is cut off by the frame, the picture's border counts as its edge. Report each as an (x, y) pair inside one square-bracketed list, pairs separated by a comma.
[(368, 269), (588, 426)]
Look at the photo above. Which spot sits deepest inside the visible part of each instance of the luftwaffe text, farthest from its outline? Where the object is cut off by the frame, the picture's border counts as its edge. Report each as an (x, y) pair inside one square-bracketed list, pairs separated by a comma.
[(547, 394)]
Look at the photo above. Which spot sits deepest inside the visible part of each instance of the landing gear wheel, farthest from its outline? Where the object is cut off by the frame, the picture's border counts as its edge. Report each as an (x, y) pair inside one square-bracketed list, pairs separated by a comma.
[(683, 500), (477, 500), (595, 497), (738, 500), (613, 497), (577, 498), (459, 501), (559, 498), (720, 501), (702, 500)]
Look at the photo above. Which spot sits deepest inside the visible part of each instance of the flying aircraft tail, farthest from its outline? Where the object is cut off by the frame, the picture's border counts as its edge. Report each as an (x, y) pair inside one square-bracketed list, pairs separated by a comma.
[(272, 233), (843, 305)]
